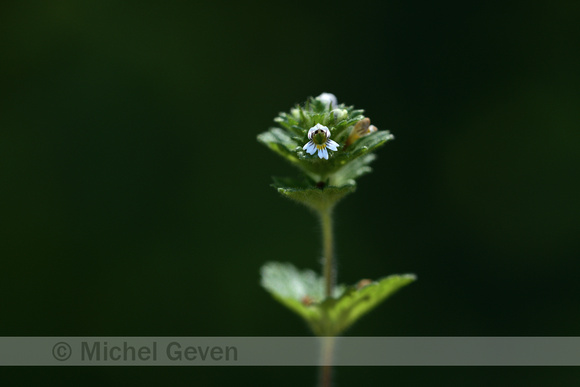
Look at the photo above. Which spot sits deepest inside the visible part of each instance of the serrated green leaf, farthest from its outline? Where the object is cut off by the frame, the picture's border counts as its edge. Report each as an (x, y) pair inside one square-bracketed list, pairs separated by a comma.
[(289, 123), (295, 289), (318, 199), (303, 292), (353, 170), (354, 303), (280, 142), (341, 131), (288, 282), (300, 131), (301, 182), (371, 142), (304, 119)]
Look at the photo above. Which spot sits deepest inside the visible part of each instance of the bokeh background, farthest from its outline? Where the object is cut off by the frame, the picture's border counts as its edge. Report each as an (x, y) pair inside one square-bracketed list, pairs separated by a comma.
[(135, 199)]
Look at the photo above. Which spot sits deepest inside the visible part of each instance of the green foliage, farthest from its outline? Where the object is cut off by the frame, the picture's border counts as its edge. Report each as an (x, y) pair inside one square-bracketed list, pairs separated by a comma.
[(324, 181), (316, 198), (303, 293), (338, 151)]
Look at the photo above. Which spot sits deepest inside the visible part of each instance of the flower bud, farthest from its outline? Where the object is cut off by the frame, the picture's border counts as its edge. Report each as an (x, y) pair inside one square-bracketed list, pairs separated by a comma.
[(328, 99), (360, 129), (339, 114)]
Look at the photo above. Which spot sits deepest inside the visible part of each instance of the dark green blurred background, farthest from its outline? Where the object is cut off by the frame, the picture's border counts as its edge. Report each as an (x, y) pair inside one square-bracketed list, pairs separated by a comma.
[(135, 199)]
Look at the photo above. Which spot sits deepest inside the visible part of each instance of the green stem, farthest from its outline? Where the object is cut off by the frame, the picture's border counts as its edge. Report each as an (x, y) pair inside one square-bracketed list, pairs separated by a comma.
[(329, 281), (326, 367), (327, 243)]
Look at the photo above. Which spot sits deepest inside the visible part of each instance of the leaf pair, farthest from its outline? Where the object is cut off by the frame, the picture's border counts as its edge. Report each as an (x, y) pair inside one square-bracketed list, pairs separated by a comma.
[(303, 293)]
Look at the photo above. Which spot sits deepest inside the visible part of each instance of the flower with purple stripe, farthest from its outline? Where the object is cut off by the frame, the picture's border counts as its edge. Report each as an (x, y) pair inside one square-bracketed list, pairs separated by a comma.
[(319, 137)]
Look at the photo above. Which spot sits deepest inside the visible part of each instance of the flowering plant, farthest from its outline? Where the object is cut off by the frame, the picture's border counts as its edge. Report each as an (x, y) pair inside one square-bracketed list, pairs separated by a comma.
[(331, 144)]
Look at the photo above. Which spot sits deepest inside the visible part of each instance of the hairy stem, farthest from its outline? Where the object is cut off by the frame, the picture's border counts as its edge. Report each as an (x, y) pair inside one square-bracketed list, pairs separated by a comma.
[(329, 282), (328, 248)]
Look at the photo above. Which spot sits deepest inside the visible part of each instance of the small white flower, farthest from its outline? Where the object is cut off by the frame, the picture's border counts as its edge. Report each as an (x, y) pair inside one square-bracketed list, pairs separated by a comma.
[(319, 136), (328, 99)]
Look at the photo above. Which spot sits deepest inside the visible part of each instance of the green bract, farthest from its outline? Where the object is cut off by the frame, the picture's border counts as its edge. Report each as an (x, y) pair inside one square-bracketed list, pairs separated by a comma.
[(342, 167)]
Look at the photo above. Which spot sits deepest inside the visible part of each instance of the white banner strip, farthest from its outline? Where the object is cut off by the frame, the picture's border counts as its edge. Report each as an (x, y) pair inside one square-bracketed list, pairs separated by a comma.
[(289, 351)]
